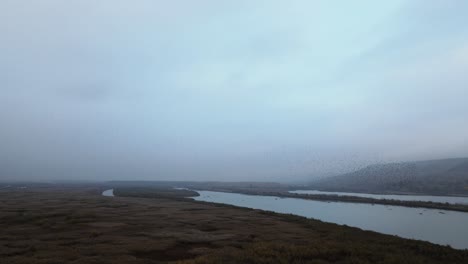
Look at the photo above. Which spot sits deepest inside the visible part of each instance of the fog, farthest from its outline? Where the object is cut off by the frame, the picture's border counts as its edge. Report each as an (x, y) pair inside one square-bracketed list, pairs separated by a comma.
[(228, 90)]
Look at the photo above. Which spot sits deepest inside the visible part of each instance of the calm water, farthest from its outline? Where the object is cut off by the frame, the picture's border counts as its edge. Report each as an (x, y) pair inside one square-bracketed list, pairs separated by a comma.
[(425, 198), (109, 193), (437, 226)]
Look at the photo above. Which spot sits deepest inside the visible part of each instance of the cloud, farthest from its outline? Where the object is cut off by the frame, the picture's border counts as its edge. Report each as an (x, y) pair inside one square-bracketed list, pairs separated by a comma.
[(216, 89)]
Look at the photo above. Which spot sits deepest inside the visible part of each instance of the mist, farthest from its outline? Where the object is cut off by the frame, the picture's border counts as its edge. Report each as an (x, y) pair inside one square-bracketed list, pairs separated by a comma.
[(228, 91)]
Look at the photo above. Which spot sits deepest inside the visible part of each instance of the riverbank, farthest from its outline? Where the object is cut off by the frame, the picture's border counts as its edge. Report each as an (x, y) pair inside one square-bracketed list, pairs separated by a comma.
[(446, 227), (75, 226), (350, 199)]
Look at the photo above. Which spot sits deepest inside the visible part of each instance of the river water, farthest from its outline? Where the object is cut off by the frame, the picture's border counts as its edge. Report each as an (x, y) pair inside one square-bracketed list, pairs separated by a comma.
[(424, 198), (436, 226), (109, 193)]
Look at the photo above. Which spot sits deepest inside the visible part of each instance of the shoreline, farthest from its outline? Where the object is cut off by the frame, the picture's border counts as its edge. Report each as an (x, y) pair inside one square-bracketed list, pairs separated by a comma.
[(354, 199)]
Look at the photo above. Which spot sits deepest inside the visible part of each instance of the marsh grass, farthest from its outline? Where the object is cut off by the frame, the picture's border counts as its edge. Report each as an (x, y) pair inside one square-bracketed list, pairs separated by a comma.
[(77, 227)]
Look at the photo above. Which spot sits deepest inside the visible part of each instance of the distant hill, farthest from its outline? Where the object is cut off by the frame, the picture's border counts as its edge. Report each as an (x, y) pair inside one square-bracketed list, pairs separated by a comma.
[(443, 177)]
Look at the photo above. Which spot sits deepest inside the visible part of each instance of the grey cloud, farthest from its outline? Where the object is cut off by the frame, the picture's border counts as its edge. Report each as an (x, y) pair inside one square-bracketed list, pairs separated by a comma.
[(217, 90)]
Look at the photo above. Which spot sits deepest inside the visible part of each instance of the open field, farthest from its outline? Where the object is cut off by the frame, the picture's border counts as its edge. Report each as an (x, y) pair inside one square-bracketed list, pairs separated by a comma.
[(77, 225)]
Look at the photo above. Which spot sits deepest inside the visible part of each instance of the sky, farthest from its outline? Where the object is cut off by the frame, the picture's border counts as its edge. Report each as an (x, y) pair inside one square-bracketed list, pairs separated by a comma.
[(228, 90)]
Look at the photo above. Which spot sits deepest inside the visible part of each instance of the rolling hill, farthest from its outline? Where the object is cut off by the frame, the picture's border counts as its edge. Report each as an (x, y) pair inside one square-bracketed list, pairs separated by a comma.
[(439, 177)]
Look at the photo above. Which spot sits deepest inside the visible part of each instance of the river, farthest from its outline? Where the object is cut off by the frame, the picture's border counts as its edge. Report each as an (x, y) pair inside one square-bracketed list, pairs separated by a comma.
[(424, 198), (109, 193), (436, 226)]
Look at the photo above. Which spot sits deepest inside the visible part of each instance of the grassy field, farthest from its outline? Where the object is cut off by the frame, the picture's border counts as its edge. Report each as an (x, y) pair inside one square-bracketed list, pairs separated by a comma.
[(77, 225)]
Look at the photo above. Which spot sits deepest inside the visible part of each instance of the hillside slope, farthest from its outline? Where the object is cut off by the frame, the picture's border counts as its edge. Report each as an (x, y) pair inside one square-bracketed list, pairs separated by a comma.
[(442, 177)]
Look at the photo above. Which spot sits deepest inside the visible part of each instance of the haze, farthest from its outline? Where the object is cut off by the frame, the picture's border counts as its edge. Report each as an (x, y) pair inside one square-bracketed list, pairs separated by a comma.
[(228, 90)]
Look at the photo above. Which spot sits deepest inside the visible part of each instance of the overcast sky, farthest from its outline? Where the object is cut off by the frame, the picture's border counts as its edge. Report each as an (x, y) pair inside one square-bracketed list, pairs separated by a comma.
[(228, 90)]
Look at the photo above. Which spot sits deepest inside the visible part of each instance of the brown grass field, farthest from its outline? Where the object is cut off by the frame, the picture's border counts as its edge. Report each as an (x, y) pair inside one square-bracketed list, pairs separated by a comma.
[(78, 225)]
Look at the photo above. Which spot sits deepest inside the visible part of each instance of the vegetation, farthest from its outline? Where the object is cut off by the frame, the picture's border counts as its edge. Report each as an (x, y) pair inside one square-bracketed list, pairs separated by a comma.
[(154, 192), (78, 225)]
